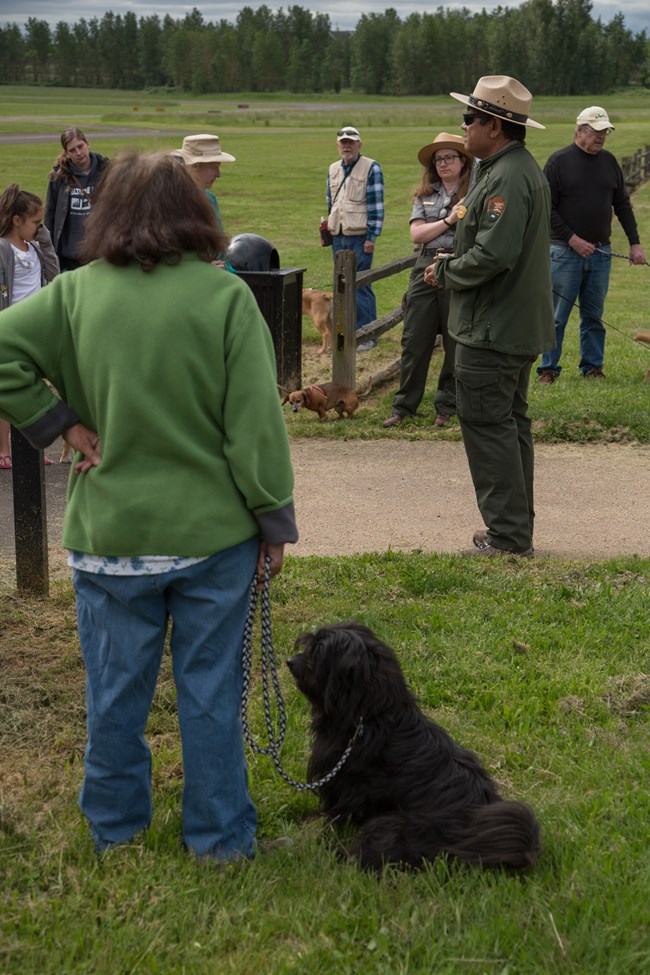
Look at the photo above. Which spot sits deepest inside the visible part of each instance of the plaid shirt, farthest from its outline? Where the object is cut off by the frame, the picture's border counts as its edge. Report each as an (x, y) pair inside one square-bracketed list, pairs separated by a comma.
[(374, 197)]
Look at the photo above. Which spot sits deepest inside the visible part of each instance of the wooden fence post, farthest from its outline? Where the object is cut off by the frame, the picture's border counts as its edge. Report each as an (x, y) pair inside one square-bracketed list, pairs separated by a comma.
[(344, 319), (30, 516)]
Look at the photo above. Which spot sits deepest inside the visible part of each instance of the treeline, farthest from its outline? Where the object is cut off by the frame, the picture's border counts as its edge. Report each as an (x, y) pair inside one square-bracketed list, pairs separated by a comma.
[(554, 46)]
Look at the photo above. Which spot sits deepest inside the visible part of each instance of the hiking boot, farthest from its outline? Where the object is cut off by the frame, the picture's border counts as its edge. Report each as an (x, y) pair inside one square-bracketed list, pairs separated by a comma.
[(546, 377), (595, 373), (489, 551), (442, 419), (394, 420), (482, 546)]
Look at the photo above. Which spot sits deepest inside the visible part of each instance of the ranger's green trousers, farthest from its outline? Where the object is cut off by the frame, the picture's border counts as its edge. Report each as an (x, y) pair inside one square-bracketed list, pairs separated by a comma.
[(492, 391), (425, 316)]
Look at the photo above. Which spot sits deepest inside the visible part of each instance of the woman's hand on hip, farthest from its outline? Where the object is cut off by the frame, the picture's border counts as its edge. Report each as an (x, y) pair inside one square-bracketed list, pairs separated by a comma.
[(86, 441)]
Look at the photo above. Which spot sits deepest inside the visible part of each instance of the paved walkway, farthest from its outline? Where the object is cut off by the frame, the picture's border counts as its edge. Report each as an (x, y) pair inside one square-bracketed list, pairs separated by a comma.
[(363, 496)]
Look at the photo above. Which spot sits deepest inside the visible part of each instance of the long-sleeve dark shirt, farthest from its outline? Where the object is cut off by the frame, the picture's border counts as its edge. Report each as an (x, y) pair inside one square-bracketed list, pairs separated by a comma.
[(585, 187)]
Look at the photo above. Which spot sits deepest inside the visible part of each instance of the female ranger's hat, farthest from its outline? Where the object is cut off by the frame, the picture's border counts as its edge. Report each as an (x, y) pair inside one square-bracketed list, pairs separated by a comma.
[(443, 141), (203, 149), (501, 96)]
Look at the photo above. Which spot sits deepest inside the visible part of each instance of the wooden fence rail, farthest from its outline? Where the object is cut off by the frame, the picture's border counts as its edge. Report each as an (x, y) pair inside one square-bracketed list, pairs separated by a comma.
[(636, 168), (344, 316)]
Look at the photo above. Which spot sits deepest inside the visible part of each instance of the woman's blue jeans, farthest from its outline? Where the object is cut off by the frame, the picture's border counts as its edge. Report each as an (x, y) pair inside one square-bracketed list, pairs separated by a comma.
[(123, 622), (587, 280)]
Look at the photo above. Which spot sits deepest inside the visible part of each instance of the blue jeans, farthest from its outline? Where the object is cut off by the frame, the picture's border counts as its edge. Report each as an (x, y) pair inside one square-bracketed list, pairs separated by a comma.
[(587, 279), (366, 301), (122, 627)]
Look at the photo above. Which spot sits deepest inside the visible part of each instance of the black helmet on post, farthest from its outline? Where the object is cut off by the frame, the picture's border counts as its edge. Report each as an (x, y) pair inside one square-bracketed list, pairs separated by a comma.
[(250, 252)]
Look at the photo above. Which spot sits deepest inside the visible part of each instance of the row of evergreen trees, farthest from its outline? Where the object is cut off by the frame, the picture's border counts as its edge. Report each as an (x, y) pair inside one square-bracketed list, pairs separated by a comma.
[(554, 46)]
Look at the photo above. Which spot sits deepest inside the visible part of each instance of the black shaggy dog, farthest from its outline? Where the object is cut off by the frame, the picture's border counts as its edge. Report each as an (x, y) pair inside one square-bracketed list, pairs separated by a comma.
[(409, 787)]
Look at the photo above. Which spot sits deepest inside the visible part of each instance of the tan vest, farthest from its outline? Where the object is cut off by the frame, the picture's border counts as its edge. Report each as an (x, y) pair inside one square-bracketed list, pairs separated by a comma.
[(349, 213)]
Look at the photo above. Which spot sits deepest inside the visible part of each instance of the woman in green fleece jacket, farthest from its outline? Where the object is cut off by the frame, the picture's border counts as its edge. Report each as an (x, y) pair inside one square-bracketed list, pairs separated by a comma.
[(182, 486)]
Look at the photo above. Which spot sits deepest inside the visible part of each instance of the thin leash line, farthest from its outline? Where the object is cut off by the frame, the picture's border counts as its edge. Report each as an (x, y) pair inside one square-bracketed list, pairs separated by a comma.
[(270, 679), (575, 304)]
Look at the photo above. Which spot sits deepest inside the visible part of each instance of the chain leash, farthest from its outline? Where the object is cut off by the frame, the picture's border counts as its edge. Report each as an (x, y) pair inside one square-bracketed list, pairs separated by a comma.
[(624, 257), (270, 679)]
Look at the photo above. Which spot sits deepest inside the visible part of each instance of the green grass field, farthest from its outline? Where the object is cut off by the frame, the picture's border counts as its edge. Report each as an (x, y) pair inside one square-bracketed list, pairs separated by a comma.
[(541, 668), (277, 189)]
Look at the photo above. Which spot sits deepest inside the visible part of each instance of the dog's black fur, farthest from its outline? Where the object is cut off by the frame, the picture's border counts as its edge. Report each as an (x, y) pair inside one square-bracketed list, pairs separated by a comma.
[(410, 788)]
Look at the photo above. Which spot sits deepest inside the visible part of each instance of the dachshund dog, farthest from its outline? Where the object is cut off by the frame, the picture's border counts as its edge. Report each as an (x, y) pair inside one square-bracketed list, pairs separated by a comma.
[(318, 305), (327, 396), (410, 790)]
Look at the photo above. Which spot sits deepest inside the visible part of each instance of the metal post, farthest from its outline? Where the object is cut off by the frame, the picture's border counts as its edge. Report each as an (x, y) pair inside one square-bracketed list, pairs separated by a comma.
[(30, 516)]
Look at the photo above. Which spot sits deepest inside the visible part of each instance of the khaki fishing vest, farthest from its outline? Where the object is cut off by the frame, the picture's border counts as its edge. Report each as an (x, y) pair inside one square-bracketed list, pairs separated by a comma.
[(349, 213)]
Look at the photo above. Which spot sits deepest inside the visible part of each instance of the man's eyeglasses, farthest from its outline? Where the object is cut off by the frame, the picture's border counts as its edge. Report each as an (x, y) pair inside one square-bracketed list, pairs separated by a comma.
[(446, 160), (469, 117)]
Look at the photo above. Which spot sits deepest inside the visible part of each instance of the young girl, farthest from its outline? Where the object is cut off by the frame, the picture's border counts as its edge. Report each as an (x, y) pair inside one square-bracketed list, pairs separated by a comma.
[(27, 262)]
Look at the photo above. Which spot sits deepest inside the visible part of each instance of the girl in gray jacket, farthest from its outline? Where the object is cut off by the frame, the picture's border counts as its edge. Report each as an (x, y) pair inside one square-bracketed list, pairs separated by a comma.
[(27, 262)]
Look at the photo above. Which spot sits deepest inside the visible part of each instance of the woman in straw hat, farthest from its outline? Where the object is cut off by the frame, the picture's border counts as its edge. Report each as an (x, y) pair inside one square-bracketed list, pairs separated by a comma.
[(445, 178)]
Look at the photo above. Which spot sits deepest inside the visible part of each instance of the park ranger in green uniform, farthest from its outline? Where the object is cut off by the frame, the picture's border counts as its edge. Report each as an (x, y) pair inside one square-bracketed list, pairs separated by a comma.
[(501, 311)]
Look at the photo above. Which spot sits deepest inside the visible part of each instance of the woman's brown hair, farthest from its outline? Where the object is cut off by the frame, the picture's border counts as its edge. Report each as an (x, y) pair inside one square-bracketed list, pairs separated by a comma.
[(148, 209), (62, 168), (15, 202), (430, 176)]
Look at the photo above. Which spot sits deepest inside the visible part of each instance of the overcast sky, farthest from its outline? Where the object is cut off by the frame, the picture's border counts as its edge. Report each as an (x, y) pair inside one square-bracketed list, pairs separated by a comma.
[(342, 13)]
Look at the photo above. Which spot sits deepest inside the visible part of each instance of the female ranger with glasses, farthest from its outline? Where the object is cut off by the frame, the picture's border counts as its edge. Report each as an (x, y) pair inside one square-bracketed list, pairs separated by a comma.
[(445, 179)]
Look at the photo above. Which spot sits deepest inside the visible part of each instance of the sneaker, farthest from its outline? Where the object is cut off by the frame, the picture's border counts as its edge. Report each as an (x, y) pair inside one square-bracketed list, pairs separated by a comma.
[(394, 420), (490, 552), (367, 346), (595, 373), (546, 377), (482, 546), (480, 537)]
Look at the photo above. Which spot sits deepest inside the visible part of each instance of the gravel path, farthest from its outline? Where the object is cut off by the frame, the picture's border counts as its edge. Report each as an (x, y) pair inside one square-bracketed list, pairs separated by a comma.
[(366, 496)]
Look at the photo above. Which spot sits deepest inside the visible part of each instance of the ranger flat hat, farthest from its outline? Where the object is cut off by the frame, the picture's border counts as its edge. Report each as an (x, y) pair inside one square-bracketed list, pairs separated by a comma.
[(501, 96)]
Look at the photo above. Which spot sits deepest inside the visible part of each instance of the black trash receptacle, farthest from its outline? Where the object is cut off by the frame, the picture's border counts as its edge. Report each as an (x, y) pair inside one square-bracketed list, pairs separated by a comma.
[(278, 292)]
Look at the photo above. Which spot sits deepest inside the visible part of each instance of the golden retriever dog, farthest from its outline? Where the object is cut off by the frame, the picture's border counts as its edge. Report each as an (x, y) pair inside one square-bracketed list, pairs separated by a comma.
[(327, 396), (644, 337), (318, 305)]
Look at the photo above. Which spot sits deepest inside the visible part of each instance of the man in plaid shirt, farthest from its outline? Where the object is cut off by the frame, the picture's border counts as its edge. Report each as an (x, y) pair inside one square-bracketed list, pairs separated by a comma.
[(355, 204)]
